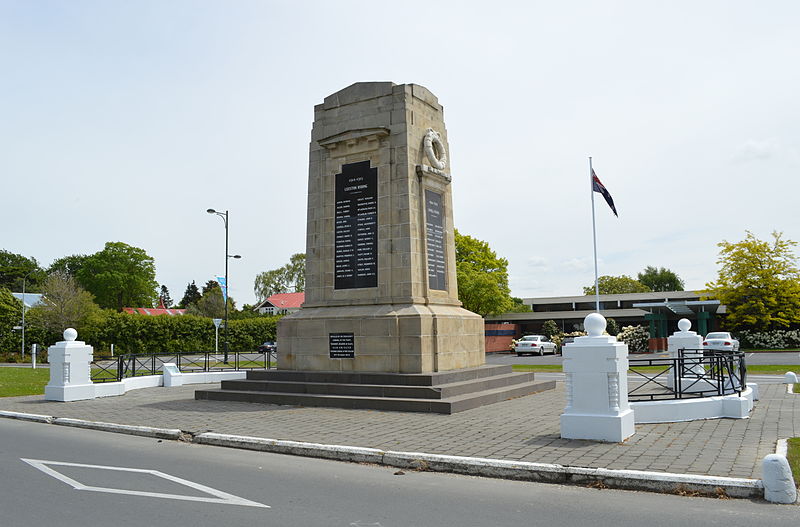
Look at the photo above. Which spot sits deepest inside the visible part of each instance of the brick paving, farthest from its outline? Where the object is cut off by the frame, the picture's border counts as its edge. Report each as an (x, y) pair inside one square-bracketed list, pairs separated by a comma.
[(526, 429)]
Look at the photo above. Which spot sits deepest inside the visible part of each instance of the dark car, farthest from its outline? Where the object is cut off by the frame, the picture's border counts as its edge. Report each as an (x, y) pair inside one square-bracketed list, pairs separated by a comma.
[(268, 347), (566, 340)]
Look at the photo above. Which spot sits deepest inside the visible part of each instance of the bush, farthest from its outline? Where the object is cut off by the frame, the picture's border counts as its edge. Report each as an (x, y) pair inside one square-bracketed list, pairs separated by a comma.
[(558, 338), (635, 337), (776, 339), (612, 328), (550, 328), (174, 334)]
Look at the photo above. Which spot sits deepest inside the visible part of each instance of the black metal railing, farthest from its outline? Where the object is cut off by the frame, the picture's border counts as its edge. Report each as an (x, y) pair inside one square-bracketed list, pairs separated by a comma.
[(693, 373), (112, 369)]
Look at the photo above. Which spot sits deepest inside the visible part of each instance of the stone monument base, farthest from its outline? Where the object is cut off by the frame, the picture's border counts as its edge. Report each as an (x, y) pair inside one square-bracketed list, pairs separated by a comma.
[(444, 392), (392, 338)]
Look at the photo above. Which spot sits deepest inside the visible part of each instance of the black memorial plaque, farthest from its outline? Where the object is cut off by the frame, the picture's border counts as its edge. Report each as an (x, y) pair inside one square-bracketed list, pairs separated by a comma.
[(434, 240), (342, 345), (356, 229)]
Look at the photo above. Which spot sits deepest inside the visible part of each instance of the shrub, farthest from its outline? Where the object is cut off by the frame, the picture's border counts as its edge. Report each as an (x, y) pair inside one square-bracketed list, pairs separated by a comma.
[(558, 338), (776, 339), (550, 328), (612, 328), (635, 337)]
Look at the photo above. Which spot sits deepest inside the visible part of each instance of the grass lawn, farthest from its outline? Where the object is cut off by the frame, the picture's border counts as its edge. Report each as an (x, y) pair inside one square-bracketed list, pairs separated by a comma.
[(23, 381), (793, 456)]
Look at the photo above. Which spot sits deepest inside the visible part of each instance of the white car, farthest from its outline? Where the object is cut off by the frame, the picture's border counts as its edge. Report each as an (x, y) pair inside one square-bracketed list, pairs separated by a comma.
[(720, 340), (534, 345)]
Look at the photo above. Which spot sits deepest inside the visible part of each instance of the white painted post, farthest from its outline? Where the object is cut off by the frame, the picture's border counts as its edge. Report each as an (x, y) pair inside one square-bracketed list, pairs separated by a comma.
[(34, 348), (687, 340), (779, 485), (70, 375), (596, 369)]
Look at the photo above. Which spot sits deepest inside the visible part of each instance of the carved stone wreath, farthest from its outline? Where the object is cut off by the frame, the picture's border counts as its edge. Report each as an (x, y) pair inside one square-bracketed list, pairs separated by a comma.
[(434, 149)]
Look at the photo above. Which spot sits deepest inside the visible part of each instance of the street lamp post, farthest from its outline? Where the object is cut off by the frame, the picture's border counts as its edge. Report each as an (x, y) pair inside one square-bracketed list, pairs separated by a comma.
[(224, 216)]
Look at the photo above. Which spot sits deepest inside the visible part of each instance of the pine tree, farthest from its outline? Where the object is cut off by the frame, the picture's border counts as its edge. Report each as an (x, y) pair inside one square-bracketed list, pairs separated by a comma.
[(164, 297), (191, 296)]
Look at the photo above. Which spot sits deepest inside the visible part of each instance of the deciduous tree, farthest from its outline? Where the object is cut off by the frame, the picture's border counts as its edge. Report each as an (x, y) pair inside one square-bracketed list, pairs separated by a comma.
[(615, 285), (67, 264), (482, 277), (120, 275), (16, 267), (211, 304), (759, 282), (65, 304), (660, 279), (291, 278)]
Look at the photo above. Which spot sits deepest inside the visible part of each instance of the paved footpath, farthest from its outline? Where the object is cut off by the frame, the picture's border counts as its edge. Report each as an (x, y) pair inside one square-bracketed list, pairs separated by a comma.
[(525, 429)]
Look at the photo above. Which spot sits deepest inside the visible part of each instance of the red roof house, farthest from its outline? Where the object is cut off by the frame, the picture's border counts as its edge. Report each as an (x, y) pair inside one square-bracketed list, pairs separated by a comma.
[(281, 303), (154, 311)]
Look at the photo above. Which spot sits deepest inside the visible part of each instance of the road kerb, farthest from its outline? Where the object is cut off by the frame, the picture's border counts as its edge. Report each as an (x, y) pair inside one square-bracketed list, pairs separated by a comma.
[(145, 431), (664, 482), (27, 417)]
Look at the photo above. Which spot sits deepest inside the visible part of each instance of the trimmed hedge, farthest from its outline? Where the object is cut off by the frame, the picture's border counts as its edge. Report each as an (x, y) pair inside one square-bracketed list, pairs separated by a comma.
[(174, 334)]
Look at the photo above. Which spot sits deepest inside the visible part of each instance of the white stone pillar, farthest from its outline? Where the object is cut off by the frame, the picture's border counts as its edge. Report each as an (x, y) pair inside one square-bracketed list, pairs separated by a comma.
[(687, 340), (596, 369), (70, 375)]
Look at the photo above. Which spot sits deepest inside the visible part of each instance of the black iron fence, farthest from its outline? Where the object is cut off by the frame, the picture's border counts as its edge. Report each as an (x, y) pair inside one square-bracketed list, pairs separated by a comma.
[(112, 369), (693, 373)]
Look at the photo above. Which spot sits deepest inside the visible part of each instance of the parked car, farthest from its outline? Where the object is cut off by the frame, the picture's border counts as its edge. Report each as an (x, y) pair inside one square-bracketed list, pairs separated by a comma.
[(534, 345), (720, 340), (565, 341), (268, 347)]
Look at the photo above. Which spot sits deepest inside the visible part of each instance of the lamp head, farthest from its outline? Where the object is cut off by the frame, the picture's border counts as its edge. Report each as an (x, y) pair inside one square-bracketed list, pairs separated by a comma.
[(211, 211)]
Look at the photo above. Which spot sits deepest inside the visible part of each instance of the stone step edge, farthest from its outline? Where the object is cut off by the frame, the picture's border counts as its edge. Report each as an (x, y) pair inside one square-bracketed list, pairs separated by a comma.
[(452, 399), (663, 482), (481, 372), (444, 387)]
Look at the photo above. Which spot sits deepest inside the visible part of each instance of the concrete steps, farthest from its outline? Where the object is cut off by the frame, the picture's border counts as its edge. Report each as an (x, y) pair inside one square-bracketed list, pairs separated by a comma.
[(441, 392)]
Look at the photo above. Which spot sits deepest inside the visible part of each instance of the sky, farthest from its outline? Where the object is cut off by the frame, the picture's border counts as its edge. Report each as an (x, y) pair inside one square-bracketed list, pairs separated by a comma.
[(126, 120)]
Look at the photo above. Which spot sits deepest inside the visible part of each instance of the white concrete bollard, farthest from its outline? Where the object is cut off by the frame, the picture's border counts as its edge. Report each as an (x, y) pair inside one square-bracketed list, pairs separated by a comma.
[(779, 485), (789, 377), (596, 369), (70, 374)]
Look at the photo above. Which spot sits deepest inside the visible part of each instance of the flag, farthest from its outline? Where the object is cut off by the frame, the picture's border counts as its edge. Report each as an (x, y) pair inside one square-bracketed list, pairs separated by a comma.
[(597, 186), (224, 286)]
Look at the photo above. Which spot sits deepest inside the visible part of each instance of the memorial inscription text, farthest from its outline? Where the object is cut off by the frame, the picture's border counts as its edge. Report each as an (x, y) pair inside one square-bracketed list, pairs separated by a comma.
[(434, 240), (356, 227)]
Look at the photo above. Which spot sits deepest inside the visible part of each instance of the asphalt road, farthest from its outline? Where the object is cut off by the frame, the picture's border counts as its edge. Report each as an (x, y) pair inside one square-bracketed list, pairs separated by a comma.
[(227, 487)]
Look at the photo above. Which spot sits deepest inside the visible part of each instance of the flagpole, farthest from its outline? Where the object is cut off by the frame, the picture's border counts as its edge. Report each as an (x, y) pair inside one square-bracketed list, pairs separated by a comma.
[(594, 238)]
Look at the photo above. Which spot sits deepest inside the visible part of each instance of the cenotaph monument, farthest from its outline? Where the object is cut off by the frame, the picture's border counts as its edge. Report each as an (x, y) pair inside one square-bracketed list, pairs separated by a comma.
[(381, 291), (381, 326)]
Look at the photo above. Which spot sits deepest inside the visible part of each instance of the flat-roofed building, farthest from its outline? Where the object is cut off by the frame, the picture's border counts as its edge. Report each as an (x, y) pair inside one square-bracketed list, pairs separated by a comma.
[(660, 311)]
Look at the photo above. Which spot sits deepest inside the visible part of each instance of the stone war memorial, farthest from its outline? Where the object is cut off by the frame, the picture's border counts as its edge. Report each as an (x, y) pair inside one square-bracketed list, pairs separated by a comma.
[(381, 326)]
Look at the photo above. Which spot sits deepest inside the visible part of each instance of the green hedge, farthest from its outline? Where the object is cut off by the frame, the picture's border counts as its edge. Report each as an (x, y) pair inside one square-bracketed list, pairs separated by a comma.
[(147, 334), (173, 334)]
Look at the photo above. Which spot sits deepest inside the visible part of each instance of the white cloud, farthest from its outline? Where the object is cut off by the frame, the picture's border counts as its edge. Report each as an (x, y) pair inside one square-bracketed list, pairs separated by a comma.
[(758, 150)]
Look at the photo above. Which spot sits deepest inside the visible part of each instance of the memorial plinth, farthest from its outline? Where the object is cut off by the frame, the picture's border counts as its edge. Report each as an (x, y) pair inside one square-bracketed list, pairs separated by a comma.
[(381, 326), (381, 291)]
